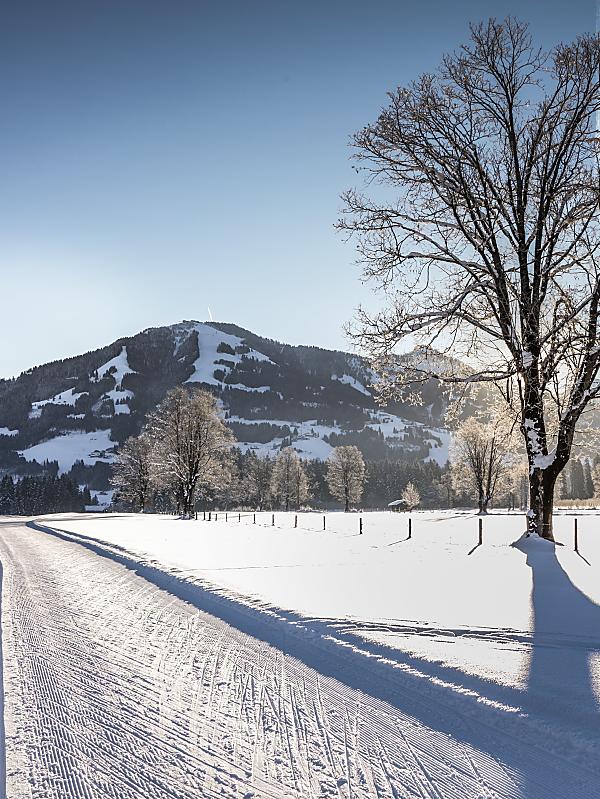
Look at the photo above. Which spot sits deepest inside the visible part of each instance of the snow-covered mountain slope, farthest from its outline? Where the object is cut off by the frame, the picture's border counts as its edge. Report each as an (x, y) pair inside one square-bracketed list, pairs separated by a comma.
[(272, 394)]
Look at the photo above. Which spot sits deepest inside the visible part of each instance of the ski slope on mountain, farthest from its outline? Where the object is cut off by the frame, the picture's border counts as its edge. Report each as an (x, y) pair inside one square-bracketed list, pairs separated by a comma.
[(209, 357), (495, 648)]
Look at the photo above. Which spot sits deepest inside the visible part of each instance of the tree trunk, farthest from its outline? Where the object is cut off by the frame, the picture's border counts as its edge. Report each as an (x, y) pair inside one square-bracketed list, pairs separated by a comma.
[(482, 504), (541, 503), (347, 508)]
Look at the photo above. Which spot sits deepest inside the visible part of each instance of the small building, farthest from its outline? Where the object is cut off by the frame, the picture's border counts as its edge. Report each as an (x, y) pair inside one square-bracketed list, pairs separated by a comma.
[(398, 505)]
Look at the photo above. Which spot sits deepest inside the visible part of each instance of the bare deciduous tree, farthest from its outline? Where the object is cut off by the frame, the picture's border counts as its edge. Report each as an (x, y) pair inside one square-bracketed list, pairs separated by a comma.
[(288, 481), (257, 480), (132, 475), (480, 224), (481, 458), (190, 445), (346, 475)]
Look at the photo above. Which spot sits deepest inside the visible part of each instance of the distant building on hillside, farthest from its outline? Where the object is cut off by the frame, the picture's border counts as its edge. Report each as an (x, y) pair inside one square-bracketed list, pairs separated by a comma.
[(398, 505)]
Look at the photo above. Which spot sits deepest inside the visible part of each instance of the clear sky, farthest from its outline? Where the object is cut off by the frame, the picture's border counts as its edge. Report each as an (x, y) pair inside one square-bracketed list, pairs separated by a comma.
[(162, 156)]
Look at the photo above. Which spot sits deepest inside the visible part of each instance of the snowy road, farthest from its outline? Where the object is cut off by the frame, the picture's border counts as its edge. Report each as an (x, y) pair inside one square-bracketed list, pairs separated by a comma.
[(119, 688)]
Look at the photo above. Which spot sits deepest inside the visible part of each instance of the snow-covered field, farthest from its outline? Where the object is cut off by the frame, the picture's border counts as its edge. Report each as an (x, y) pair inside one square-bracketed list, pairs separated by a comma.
[(498, 646), (67, 448)]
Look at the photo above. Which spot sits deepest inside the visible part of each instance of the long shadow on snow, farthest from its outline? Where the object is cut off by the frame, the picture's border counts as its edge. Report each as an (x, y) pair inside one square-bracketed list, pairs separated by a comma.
[(389, 675)]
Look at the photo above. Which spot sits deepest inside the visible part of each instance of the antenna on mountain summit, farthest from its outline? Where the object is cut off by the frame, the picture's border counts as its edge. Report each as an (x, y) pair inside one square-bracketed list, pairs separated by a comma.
[(209, 314)]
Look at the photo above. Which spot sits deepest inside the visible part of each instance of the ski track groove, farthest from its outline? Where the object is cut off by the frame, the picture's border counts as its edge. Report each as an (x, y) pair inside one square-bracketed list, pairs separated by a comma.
[(120, 690)]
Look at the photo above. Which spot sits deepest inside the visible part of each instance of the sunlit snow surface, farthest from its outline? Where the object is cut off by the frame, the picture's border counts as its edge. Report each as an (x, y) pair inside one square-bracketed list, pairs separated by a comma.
[(71, 447), (427, 595), (486, 657)]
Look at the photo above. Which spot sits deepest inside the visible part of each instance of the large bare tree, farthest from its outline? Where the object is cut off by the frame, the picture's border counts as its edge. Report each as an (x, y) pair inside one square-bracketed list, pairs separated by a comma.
[(190, 445), (479, 221)]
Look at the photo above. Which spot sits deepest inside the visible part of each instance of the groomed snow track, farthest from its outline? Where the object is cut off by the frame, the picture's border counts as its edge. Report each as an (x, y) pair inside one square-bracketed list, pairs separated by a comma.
[(122, 681)]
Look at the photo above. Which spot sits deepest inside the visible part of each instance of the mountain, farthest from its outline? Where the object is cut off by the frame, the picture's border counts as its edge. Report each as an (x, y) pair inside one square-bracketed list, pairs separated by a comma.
[(77, 411)]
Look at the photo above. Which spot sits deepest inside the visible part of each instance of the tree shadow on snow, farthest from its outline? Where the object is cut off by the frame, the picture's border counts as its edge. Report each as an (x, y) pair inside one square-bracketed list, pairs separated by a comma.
[(566, 625)]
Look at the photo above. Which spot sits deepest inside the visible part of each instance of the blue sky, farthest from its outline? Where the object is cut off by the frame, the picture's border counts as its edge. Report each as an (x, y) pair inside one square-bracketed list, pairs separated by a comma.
[(162, 157)]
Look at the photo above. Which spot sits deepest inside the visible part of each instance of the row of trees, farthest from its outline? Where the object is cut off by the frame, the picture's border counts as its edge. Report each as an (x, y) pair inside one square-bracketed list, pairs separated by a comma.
[(185, 453), (184, 457), (50, 494)]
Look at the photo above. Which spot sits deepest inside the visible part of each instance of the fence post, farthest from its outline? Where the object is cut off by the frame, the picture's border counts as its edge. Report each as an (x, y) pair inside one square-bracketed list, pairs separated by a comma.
[(360, 525), (272, 520), (239, 517), (576, 536), (254, 522), (225, 515), (409, 527), (480, 531), (204, 516), (196, 515), (209, 515), (296, 520), (216, 516), (324, 522)]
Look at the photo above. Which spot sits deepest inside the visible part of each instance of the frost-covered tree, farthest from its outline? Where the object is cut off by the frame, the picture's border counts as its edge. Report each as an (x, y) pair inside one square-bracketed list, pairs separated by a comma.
[(596, 479), (346, 475), (411, 496), (288, 480), (479, 221), (132, 471), (257, 480), (481, 459), (190, 445)]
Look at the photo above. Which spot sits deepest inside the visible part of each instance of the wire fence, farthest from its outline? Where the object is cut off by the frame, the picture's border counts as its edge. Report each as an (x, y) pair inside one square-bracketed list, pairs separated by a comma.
[(461, 528)]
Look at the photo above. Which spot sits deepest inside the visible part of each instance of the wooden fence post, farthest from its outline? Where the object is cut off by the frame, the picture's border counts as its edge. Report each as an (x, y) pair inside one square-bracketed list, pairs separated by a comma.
[(360, 526), (324, 522), (272, 520), (480, 531), (296, 520), (576, 536), (409, 527)]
